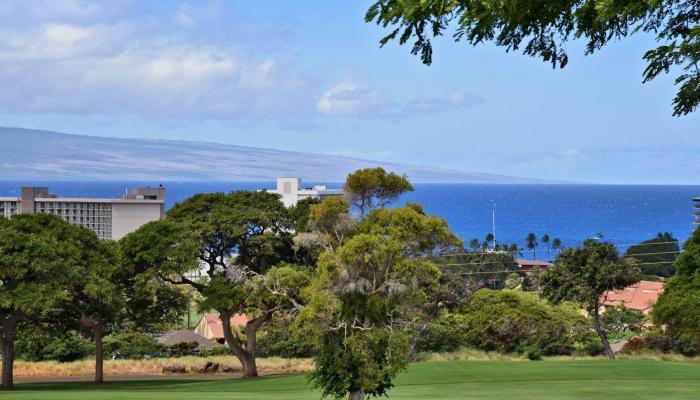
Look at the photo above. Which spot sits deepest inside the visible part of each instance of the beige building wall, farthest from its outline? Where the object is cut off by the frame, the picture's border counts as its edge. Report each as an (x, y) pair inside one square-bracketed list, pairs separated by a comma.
[(128, 217)]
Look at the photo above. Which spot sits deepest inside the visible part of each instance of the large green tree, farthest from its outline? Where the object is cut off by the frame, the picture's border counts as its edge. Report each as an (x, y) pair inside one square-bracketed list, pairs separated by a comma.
[(108, 294), (583, 275), (368, 298), (374, 187), (678, 308), (36, 250), (542, 28), (655, 256), (237, 240)]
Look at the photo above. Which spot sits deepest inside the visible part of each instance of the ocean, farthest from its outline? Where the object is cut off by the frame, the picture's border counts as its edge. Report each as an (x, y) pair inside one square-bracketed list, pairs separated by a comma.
[(623, 214)]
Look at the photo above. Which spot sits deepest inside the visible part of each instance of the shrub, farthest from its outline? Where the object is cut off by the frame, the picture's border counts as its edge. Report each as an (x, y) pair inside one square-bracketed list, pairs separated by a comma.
[(279, 341), (589, 345), (35, 345), (133, 345), (445, 334), (508, 322), (678, 307), (655, 341)]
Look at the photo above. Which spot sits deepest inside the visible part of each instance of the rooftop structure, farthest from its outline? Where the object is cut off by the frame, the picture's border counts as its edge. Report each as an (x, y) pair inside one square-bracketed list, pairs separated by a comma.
[(641, 296), (108, 218), (696, 213), (210, 326), (528, 266), (173, 338), (292, 192)]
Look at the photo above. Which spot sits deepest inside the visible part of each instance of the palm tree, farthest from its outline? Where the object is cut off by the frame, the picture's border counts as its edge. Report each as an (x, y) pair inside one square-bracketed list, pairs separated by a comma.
[(532, 243), (474, 244), (513, 249), (490, 238), (556, 244), (545, 240)]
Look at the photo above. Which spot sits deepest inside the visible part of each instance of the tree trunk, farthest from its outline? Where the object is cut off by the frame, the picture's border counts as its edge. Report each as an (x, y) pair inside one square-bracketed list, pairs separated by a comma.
[(356, 395), (416, 339), (99, 354), (244, 355), (601, 333), (7, 349)]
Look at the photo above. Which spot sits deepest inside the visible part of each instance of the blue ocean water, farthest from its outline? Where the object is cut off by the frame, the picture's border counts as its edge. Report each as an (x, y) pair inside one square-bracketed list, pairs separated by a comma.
[(573, 213)]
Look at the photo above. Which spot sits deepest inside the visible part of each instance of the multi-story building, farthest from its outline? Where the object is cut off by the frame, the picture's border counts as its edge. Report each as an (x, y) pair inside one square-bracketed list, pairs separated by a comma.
[(291, 191), (696, 213), (108, 218)]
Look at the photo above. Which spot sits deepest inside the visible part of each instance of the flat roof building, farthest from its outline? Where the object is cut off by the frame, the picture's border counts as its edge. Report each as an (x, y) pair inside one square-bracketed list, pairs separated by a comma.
[(696, 209), (292, 192), (108, 218)]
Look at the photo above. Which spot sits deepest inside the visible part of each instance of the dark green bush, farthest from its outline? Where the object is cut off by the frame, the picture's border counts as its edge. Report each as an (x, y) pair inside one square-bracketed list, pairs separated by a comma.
[(133, 345), (678, 307), (508, 322), (512, 321), (280, 341), (35, 345)]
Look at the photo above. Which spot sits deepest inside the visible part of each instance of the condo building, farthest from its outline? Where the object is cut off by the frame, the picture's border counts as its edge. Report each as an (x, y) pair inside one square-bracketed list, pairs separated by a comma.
[(292, 192), (108, 218), (696, 213)]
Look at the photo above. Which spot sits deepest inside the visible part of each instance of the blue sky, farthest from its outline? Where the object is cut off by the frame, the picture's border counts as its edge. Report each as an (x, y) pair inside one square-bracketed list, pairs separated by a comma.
[(309, 76)]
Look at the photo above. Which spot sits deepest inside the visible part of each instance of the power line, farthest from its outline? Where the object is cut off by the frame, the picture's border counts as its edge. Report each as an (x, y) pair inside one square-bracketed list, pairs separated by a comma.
[(515, 270), (550, 249)]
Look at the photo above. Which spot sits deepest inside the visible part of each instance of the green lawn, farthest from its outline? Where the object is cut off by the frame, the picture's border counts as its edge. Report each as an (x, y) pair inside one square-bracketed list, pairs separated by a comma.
[(522, 380)]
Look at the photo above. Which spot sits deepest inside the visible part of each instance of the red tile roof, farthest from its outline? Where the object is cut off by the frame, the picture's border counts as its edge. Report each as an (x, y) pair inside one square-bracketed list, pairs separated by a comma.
[(528, 265), (640, 296), (216, 329)]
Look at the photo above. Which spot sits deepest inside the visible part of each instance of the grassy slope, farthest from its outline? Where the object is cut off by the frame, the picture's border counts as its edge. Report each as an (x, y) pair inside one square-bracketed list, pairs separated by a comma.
[(522, 380)]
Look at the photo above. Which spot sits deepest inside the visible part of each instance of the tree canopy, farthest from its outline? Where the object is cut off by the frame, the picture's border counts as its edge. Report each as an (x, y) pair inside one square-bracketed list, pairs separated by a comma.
[(583, 275), (656, 255), (242, 243), (678, 307), (542, 28), (35, 250), (374, 187), (369, 290)]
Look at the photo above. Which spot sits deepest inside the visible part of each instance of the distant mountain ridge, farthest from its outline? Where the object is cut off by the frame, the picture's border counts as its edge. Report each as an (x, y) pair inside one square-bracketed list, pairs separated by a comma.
[(27, 154)]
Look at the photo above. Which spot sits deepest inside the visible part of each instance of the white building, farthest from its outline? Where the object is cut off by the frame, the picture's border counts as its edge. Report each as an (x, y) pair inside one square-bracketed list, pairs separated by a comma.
[(291, 191), (108, 218)]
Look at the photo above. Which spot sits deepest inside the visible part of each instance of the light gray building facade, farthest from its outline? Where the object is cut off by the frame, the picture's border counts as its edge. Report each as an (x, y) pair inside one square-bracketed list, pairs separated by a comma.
[(108, 218), (291, 191)]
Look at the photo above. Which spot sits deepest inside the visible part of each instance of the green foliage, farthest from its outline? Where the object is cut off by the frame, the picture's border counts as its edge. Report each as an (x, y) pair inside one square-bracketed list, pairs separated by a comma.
[(620, 319), (542, 29), (657, 255), (583, 275), (280, 340), (374, 187), (243, 242), (133, 345), (369, 290), (38, 345), (300, 213), (508, 322), (184, 349), (678, 307), (37, 252)]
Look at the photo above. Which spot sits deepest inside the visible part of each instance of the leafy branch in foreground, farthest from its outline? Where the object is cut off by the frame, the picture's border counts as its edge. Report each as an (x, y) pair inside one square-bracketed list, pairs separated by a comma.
[(544, 27)]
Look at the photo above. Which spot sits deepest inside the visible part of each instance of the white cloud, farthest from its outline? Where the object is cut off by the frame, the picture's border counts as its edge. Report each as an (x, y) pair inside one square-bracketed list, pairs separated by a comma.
[(450, 101), (353, 99), (91, 60)]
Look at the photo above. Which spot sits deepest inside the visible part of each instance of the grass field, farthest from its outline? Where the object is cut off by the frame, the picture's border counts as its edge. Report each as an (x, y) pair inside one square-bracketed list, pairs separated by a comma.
[(522, 380)]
